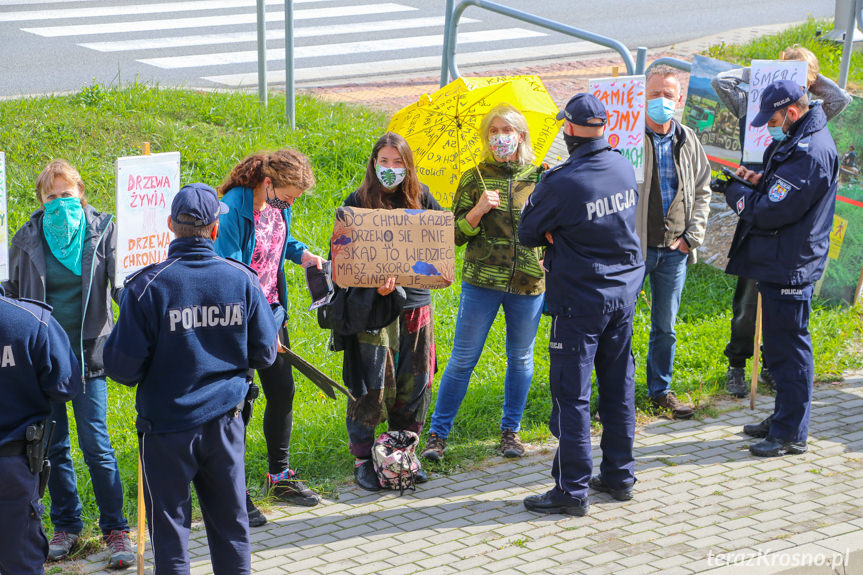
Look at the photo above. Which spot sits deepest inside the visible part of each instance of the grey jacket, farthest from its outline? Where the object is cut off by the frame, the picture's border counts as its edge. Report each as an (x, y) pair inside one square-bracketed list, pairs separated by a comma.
[(732, 87), (27, 280), (693, 188)]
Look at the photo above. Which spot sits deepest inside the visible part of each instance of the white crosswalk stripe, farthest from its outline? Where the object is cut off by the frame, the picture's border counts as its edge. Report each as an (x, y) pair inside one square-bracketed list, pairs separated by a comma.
[(211, 21), (272, 34), (384, 45), (215, 40)]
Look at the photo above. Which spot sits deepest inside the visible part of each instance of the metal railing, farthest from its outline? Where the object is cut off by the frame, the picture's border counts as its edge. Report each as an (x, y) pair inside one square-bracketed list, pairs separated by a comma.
[(453, 15)]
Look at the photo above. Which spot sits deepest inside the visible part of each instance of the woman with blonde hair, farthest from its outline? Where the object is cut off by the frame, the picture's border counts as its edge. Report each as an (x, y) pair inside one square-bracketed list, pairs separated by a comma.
[(65, 255), (498, 272), (256, 230)]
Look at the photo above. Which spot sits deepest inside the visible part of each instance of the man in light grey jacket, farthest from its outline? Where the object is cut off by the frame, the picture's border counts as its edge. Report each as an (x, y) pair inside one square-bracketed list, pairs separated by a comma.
[(673, 205)]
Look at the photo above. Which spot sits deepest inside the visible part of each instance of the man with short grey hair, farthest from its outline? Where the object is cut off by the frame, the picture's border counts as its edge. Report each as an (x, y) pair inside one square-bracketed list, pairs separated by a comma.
[(673, 205)]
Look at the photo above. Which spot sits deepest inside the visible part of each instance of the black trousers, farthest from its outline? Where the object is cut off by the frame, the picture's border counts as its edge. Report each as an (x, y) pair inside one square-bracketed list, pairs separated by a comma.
[(744, 308), (277, 382)]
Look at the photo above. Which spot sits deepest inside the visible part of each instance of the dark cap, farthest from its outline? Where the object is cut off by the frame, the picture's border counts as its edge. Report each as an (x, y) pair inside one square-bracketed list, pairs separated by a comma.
[(584, 107), (199, 202), (780, 94)]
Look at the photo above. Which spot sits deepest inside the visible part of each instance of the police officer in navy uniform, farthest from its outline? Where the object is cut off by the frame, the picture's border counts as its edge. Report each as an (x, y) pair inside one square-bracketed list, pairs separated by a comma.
[(37, 366), (190, 328), (584, 211), (781, 241)]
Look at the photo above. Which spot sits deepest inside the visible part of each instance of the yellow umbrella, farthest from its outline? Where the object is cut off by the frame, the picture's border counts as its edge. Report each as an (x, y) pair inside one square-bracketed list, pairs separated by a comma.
[(443, 128)]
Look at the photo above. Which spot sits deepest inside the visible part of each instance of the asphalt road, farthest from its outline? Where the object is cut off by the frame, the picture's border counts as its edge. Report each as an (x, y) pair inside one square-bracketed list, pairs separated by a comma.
[(62, 45)]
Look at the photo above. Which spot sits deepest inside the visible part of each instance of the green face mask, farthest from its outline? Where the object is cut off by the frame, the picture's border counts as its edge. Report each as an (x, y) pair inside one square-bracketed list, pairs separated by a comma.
[(63, 227)]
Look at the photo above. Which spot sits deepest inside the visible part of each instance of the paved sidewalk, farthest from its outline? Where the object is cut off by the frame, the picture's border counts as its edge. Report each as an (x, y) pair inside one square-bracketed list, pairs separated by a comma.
[(701, 501)]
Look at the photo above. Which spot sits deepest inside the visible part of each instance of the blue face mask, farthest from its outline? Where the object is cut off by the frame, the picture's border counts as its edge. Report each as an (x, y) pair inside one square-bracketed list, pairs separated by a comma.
[(776, 132), (660, 110)]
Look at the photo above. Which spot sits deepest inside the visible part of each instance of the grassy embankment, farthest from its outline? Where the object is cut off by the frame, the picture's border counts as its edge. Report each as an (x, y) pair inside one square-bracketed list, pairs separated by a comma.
[(213, 131)]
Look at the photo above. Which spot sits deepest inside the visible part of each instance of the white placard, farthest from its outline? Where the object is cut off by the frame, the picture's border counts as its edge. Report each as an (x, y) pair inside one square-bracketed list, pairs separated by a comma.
[(4, 222), (146, 186), (623, 98), (762, 73)]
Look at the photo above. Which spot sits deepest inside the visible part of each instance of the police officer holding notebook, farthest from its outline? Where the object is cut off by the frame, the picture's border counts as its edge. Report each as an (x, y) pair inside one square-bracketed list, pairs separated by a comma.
[(782, 239), (37, 366), (190, 329), (584, 212)]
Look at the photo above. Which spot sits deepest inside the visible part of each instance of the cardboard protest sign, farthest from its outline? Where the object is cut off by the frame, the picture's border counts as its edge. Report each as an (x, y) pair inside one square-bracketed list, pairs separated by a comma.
[(842, 276), (417, 247), (146, 185), (623, 98), (717, 128), (762, 73), (4, 222)]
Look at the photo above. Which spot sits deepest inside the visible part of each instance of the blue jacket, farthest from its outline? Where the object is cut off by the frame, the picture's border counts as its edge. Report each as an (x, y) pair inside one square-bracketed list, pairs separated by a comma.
[(588, 203), (237, 236), (37, 366), (190, 329), (784, 230)]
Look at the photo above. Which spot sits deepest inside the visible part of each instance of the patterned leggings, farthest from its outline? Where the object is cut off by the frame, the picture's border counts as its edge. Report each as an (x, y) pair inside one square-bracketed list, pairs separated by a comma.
[(401, 360)]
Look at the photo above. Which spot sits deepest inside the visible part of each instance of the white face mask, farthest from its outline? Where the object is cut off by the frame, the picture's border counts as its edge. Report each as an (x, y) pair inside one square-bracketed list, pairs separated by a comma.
[(503, 145), (390, 177)]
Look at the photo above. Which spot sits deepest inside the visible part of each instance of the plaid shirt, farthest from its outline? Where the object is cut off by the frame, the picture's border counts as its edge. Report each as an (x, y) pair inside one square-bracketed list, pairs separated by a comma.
[(663, 145)]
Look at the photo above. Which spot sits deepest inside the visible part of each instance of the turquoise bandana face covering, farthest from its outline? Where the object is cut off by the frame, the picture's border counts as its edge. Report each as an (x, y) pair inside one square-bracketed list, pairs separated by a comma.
[(63, 227)]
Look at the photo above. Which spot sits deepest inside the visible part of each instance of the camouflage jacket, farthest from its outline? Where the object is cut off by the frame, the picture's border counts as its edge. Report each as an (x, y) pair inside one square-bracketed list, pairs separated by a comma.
[(494, 258)]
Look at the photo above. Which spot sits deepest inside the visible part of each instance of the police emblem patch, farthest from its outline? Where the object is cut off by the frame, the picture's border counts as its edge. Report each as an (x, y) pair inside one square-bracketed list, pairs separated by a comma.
[(740, 205), (779, 190)]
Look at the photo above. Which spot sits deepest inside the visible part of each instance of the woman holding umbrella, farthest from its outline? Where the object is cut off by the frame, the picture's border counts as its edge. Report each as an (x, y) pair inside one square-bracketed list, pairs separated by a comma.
[(397, 363), (498, 271), (256, 230)]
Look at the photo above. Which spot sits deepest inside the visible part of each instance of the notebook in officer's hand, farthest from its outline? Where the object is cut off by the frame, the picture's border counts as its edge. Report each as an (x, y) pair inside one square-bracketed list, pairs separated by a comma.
[(320, 284)]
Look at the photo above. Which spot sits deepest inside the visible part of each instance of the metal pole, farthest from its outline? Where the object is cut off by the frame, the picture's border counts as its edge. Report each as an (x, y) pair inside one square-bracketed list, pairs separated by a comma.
[(848, 44), (444, 68), (640, 60), (262, 53), (290, 110)]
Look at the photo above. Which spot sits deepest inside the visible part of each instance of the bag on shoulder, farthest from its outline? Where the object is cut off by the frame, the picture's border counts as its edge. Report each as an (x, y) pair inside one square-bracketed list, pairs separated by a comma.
[(395, 461)]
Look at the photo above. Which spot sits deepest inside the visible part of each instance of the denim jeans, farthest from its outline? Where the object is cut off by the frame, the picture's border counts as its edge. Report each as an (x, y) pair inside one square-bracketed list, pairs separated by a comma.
[(667, 270), (476, 313), (90, 409)]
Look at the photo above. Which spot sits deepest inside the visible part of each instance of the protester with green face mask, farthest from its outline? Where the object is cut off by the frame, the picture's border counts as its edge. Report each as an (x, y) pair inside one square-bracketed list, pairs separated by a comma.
[(65, 256)]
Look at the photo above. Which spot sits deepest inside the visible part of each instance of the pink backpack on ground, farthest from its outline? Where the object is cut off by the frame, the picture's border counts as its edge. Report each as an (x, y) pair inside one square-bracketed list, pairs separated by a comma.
[(395, 461)]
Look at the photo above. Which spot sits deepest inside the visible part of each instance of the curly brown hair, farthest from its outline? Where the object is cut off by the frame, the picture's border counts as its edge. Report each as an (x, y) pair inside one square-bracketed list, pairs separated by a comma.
[(284, 167), (371, 193)]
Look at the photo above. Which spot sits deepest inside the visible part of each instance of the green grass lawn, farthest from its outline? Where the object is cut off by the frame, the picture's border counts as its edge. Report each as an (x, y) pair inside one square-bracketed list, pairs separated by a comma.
[(212, 131)]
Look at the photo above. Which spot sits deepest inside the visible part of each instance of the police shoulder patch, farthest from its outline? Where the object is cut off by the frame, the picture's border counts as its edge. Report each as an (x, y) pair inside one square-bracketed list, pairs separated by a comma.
[(740, 205), (779, 190), (804, 143)]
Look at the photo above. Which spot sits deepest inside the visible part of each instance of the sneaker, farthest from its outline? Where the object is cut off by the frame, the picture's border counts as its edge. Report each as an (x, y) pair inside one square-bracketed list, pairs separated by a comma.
[(759, 430), (292, 490), (61, 545), (548, 504), (435, 446), (598, 484), (774, 447), (510, 444), (735, 382), (122, 552), (256, 518), (669, 401), (766, 378)]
